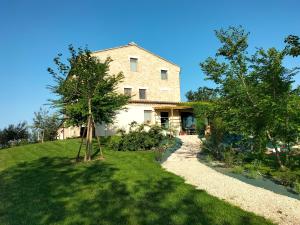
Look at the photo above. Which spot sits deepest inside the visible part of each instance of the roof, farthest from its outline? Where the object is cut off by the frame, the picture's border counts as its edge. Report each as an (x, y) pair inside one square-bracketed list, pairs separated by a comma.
[(162, 104), (173, 107), (134, 44), (154, 102)]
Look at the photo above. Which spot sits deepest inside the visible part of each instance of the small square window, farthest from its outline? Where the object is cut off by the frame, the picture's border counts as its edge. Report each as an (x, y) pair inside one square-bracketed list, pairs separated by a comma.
[(127, 91), (142, 93), (133, 64), (164, 74), (147, 116)]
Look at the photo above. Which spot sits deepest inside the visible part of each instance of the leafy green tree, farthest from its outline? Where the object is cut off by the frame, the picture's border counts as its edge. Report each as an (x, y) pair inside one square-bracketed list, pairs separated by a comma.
[(46, 125), (202, 94), (273, 87), (255, 91), (86, 92), (13, 134), (293, 45)]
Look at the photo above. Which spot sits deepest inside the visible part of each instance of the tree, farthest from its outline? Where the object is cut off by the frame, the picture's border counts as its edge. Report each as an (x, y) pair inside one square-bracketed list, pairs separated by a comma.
[(86, 92), (46, 125), (39, 123), (255, 92), (276, 96), (202, 94), (293, 45), (13, 134)]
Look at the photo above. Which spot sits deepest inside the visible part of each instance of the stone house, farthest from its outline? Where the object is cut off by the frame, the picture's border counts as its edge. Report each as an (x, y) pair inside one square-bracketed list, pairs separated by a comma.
[(154, 86)]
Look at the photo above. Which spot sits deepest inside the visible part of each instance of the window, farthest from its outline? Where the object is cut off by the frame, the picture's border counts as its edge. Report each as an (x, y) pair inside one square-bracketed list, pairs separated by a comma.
[(164, 119), (142, 93), (164, 74), (133, 64), (147, 116), (127, 91)]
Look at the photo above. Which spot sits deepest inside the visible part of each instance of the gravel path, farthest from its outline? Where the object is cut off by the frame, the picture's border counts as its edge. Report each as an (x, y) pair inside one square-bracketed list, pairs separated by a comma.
[(278, 208)]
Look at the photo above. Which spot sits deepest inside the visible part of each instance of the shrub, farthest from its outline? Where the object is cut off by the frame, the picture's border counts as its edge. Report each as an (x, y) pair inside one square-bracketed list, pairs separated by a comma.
[(229, 158), (115, 143), (252, 173), (239, 158), (297, 187), (159, 154), (167, 147), (208, 158), (139, 137), (256, 164), (238, 169), (286, 178)]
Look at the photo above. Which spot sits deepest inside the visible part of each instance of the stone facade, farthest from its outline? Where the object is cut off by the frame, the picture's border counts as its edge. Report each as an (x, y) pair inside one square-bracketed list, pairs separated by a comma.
[(162, 95), (148, 74)]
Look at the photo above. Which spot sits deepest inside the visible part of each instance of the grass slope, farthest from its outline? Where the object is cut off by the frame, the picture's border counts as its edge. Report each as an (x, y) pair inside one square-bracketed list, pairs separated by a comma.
[(39, 184)]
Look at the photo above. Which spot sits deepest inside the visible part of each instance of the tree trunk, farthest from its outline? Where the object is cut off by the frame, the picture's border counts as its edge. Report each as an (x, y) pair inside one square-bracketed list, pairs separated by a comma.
[(98, 139), (276, 149), (87, 139), (287, 154), (90, 140), (43, 134), (82, 138), (89, 135), (100, 149), (278, 157)]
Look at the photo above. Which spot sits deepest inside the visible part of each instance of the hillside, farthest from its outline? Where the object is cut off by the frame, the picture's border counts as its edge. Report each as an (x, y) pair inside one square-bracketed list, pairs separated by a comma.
[(41, 184)]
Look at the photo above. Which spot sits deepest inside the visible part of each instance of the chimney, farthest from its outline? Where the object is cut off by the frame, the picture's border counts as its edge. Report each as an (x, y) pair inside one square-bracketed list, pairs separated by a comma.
[(132, 43)]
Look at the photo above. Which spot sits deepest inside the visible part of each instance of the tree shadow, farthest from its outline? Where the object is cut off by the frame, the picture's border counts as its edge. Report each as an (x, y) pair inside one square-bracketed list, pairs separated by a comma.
[(38, 192), (56, 191)]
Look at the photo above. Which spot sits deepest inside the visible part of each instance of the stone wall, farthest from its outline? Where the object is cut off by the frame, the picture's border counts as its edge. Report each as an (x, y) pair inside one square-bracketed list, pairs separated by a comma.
[(148, 75)]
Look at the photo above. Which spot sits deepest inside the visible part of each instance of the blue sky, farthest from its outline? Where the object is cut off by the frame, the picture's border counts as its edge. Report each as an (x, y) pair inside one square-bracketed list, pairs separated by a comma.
[(33, 32)]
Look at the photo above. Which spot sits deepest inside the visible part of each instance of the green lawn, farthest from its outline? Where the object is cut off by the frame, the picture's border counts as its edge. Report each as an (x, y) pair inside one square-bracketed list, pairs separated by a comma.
[(40, 184)]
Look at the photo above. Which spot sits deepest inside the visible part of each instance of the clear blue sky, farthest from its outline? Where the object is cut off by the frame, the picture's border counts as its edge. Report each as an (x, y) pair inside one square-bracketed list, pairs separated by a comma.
[(33, 32)]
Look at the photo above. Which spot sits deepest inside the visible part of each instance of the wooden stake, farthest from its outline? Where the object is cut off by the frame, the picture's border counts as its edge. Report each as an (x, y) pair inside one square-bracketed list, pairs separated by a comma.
[(82, 138), (98, 139)]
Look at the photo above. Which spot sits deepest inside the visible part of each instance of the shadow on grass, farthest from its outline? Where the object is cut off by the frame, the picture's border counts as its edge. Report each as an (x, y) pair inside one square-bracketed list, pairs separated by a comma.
[(56, 191)]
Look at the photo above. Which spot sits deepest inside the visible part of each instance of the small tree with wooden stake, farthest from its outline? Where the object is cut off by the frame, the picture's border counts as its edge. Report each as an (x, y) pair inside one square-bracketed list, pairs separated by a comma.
[(86, 93)]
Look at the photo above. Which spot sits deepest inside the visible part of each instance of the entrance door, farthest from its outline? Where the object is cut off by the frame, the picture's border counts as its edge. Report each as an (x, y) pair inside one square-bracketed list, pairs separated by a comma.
[(188, 122), (164, 119)]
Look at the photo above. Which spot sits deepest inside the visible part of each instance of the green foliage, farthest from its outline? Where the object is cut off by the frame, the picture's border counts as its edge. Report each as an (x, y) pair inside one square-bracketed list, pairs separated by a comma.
[(293, 45), (86, 93), (252, 173), (297, 187), (285, 177), (139, 137), (202, 94), (228, 158), (208, 158), (256, 95), (214, 142), (237, 169), (14, 135), (46, 125), (85, 78)]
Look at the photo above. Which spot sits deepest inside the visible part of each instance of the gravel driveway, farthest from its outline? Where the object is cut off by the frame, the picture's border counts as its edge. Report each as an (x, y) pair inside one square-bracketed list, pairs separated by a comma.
[(278, 208)]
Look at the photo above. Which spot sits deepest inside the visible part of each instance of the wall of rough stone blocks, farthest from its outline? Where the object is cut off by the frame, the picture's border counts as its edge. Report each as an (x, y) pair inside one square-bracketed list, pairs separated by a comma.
[(148, 75)]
